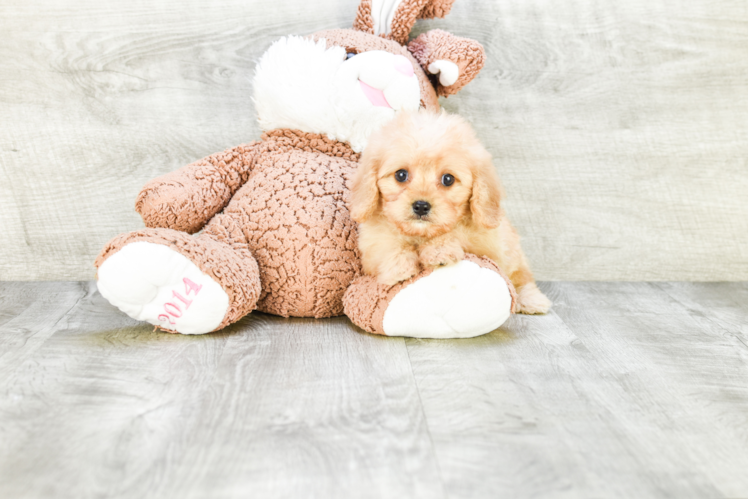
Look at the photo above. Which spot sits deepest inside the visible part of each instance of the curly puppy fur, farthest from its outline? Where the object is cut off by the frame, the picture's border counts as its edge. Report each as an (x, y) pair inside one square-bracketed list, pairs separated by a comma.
[(397, 240)]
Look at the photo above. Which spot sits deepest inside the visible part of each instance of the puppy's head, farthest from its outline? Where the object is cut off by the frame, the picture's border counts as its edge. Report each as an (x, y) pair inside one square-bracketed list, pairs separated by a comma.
[(425, 172)]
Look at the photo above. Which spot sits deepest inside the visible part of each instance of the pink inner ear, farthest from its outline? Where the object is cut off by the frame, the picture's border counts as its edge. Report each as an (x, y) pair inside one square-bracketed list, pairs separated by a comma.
[(375, 96), (403, 65)]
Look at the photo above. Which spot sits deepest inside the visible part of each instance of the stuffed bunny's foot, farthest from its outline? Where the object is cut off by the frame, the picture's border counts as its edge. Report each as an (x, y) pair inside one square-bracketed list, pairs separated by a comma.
[(470, 298), (154, 283)]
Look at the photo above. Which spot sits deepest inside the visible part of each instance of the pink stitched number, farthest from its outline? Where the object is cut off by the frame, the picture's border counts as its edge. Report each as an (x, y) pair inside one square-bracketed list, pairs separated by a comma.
[(164, 317), (189, 287), (186, 302), (177, 312)]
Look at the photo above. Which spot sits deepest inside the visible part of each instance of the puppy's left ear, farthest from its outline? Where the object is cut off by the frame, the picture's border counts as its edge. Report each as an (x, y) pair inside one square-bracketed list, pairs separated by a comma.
[(364, 190), (485, 201)]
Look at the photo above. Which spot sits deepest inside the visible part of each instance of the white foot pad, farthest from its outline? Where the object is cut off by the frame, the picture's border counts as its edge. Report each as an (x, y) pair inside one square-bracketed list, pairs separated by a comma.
[(153, 283), (459, 301)]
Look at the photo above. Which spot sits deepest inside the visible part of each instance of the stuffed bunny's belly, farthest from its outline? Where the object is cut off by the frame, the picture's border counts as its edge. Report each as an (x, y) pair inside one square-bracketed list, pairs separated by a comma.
[(293, 215)]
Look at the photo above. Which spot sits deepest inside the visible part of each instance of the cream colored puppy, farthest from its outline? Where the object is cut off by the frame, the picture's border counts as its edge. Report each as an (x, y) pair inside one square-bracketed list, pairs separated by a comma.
[(425, 193)]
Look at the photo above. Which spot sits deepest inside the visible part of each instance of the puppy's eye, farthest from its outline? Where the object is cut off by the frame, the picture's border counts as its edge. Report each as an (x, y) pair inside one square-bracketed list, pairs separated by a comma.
[(349, 55), (401, 175), (448, 179)]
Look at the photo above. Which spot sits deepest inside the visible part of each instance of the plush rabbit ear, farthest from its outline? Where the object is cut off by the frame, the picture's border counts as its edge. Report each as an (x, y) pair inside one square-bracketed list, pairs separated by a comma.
[(393, 19), (455, 60)]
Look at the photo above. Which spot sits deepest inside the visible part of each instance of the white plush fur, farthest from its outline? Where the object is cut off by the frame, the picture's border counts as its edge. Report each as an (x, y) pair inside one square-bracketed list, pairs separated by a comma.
[(448, 71), (382, 13), (459, 301), (143, 280), (301, 84)]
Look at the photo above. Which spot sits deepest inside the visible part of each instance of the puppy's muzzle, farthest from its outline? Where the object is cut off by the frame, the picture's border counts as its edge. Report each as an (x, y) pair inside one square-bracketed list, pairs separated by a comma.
[(421, 208)]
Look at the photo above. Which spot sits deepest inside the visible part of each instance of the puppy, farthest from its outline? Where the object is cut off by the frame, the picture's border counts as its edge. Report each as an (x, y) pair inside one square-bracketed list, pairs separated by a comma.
[(425, 193)]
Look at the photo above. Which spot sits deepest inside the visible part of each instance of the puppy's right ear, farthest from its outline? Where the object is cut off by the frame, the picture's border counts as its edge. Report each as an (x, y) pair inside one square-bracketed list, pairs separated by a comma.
[(364, 191), (485, 201)]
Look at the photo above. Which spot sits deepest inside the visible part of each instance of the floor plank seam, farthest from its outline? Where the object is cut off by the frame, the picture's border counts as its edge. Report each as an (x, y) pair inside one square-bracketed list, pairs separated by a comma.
[(426, 422), (86, 292), (6, 371), (715, 324), (624, 389)]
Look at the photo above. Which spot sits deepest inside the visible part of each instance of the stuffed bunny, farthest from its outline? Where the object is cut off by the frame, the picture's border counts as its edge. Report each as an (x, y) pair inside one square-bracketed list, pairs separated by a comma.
[(276, 235)]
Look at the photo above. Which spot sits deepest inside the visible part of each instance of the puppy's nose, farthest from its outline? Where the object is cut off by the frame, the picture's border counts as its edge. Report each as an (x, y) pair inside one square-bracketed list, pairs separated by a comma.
[(421, 207)]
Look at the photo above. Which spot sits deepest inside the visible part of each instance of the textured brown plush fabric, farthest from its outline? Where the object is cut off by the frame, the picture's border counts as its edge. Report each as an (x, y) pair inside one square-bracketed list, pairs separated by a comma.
[(364, 22), (436, 8), (291, 215), (231, 266), (355, 41), (277, 235), (367, 300), (404, 19), (438, 44), (187, 198)]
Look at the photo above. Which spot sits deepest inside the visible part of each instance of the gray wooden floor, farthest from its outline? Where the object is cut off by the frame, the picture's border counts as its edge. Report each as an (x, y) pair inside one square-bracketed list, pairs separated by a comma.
[(625, 389)]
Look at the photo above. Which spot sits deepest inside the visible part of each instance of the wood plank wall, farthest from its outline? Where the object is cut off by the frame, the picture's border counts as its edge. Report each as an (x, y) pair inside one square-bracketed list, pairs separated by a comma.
[(620, 129)]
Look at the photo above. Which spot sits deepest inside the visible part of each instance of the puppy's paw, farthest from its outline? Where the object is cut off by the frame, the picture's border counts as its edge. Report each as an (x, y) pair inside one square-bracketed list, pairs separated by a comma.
[(442, 255), (530, 300), (400, 268)]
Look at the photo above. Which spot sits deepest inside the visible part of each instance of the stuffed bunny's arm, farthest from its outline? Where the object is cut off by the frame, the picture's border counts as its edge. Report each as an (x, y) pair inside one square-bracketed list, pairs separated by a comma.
[(188, 198)]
